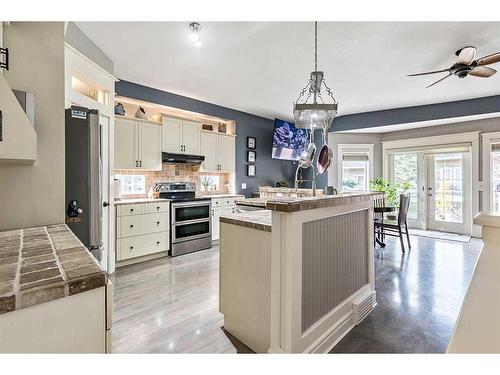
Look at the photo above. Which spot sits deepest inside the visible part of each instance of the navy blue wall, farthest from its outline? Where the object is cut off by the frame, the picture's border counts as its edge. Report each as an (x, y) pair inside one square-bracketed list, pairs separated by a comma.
[(247, 125), (438, 111)]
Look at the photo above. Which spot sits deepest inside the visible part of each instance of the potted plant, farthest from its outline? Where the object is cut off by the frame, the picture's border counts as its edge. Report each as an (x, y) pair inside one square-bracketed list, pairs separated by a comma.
[(206, 182), (391, 190)]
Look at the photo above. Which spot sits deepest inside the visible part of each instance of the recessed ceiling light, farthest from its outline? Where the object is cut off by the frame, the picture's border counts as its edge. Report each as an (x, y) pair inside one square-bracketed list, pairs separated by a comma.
[(195, 28)]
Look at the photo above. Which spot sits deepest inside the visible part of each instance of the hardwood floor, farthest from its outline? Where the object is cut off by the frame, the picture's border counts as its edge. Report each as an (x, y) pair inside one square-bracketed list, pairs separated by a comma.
[(170, 305)]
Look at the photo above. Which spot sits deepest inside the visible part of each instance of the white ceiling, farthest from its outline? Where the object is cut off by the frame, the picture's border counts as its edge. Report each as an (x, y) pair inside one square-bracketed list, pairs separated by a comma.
[(260, 67)]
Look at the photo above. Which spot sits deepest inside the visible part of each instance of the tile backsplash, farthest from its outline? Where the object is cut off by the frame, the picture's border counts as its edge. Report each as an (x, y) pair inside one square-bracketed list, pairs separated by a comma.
[(179, 173)]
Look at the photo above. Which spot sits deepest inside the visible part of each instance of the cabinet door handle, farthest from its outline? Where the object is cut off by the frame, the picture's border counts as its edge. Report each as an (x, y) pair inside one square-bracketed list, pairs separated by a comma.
[(136, 164), (131, 225), (131, 210), (212, 212), (157, 223), (140, 163), (131, 248), (157, 243), (158, 208)]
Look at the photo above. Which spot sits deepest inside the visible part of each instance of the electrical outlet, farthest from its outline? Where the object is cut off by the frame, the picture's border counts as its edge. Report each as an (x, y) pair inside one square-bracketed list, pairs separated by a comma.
[(243, 185)]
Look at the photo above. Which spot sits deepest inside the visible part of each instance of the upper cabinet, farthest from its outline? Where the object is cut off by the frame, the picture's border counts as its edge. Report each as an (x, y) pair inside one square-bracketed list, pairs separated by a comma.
[(137, 144), (219, 152), (180, 136)]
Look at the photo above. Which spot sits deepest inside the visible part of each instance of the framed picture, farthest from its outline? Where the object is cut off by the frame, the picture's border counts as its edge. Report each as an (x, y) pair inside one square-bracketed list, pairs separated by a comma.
[(251, 156), (251, 170), (251, 142)]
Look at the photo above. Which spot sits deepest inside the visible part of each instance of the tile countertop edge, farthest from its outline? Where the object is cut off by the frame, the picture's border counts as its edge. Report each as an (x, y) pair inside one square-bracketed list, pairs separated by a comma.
[(120, 202), (53, 263), (311, 203), (260, 220), (489, 219)]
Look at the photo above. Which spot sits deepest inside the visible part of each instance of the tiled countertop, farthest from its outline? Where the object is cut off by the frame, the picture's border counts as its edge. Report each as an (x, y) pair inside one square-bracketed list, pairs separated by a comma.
[(215, 196), (260, 220), (139, 200), (309, 203), (41, 264), (254, 202)]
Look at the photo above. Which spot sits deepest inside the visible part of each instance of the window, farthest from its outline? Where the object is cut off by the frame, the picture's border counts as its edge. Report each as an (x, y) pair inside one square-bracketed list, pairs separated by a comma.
[(132, 184), (355, 167)]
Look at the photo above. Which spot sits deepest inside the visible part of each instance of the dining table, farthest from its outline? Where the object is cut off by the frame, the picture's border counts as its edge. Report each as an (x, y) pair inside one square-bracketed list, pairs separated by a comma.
[(379, 237)]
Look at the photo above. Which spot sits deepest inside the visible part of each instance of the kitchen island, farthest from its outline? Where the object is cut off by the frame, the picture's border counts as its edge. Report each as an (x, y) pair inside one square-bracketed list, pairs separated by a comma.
[(297, 276), (54, 296)]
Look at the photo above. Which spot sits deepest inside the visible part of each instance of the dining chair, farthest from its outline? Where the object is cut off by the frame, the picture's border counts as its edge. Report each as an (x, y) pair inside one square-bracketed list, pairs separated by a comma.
[(395, 228)]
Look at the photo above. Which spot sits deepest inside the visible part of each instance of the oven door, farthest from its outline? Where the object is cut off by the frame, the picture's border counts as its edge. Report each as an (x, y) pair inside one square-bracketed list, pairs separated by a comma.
[(185, 212), (190, 231)]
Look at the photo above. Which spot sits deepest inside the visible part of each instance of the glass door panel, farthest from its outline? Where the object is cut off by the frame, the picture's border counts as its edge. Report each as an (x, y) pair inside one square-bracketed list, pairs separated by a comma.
[(405, 171), (495, 178), (448, 209)]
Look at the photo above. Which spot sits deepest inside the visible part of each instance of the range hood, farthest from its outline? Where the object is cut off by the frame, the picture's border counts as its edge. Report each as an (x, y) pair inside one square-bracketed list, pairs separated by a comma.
[(168, 157), (17, 134)]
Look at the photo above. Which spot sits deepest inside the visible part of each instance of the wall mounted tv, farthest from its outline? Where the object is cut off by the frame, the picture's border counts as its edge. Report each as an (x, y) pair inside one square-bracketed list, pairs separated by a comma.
[(288, 141)]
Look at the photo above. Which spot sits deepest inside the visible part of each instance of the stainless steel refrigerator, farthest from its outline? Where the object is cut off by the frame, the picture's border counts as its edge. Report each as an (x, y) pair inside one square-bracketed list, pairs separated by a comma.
[(83, 177)]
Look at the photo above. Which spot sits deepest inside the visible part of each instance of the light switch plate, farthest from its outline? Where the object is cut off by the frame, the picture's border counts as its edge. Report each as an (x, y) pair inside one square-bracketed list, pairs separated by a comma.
[(243, 185)]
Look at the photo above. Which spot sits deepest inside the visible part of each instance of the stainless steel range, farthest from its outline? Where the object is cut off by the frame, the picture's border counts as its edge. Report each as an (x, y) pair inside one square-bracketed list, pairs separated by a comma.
[(190, 220)]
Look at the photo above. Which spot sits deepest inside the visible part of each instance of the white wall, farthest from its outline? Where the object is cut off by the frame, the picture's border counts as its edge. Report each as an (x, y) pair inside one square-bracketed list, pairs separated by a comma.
[(33, 195)]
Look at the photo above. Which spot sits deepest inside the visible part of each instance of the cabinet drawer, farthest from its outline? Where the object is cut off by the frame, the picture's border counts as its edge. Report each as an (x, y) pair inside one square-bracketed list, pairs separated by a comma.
[(136, 225), (130, 209), (157, 207), (218, 202), (137, 246)]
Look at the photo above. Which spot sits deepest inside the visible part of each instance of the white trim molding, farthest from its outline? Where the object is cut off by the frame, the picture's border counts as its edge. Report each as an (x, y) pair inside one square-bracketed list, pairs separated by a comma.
[(487, 140)]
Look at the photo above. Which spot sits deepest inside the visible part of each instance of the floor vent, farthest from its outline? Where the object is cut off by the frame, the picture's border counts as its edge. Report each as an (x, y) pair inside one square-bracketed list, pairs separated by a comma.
[(362, 306)]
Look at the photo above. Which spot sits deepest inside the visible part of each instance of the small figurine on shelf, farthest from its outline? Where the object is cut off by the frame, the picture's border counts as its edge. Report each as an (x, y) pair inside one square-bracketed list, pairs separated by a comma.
[(119, 109), (141, 113)]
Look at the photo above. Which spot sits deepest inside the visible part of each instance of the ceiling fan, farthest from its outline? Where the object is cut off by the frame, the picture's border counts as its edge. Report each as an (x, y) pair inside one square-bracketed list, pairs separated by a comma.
[(466, 65)]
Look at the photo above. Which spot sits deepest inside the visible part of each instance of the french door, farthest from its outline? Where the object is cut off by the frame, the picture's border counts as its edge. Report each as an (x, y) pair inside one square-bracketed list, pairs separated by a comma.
[(448, 192), (439, 187)]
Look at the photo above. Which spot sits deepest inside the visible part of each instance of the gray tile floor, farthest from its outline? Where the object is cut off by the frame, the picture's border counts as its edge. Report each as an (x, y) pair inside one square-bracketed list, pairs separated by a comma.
[(419, 296), (170, 305)]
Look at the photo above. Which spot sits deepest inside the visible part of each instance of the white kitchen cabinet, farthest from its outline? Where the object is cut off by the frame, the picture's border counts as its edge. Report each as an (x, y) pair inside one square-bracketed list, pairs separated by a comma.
[(219, 152), (180, 136), (226, 154), (137, 144), (220, 206), (191, 132), (142, 229), (125, 144), (216, 212), (208, 148), (171, 135), (150, 146)]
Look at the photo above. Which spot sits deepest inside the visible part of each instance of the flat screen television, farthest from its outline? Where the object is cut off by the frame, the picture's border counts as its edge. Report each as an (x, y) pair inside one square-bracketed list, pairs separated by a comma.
[(288, 141)]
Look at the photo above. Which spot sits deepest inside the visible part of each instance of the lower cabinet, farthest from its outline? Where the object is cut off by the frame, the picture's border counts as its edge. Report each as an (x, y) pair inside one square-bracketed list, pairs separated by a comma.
[(220, 206), (142, 229)]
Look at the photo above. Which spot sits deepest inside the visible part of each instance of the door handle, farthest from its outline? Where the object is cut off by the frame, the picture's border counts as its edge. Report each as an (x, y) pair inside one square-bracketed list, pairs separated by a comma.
[(136, 163), (140, 163)]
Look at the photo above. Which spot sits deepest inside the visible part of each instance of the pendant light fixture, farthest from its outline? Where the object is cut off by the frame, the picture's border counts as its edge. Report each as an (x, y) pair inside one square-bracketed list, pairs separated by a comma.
[(310, 111)]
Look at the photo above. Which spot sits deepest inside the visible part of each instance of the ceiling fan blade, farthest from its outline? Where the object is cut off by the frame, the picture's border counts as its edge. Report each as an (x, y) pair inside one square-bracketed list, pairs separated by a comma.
[(482, 71), (433, 72), (432, 84), (466, 55), (490, 59)]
